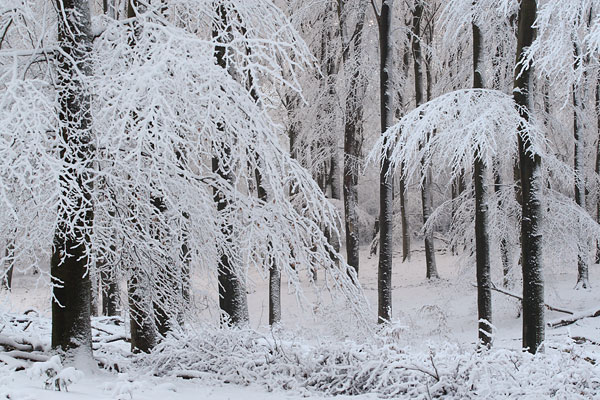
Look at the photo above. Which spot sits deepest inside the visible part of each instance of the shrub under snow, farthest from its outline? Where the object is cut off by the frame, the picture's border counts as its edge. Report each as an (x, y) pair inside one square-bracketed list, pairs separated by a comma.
[(244, 356)]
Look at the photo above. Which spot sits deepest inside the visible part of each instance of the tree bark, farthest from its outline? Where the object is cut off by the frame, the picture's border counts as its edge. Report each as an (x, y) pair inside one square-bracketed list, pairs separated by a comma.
[(10, 265), (597, 169), (579, 168), (232, 288), (353, 131), (386, 207), (530, 170), (426, 198), (482, 243), (71, 327)]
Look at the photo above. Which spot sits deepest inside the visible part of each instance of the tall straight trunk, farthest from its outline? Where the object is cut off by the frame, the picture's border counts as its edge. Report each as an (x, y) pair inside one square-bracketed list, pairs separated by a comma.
[(232, 289), (353, 131), (71, 326), (386, 207), (426, 195), (404, 219), (578, 161), (482, 243), (579, 168), (504, 250), (597, 169), (400, 109), (531, 190)]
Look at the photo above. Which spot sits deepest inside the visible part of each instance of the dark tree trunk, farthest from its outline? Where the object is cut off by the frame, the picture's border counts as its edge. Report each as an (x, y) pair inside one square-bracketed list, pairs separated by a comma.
[(71, 327), (10, 265), (353, 131), (232, 288), (405, 222), (504, 250), (141, 320), (426, 195), (597, 169), (386, 207), (482, 244), (579, 168), (110, 296), (141, 325), (531, 239)]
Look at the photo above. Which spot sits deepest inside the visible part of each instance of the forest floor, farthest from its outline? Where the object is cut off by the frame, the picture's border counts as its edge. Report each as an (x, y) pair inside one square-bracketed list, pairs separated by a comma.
[(427, 315)]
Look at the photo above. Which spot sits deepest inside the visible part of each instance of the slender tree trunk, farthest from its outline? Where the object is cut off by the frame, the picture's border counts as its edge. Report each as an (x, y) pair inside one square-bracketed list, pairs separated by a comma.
[(504, 250), (71, 327), (9, 266), (579, 168), (482, 244), (353, 131), (531, 239), (405, 222), (579, 160), (426, 195), (597, 169), (386, 208)]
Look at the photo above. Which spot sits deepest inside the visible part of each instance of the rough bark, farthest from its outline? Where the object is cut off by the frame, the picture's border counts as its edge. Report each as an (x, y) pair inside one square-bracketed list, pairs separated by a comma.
[(386, 211), (426, 195), (353, 130), (530, 170), (71, 328), (482, 242)]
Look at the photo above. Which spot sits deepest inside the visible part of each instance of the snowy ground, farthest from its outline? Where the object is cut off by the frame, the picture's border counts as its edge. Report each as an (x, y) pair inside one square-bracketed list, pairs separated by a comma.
[(429, 315)]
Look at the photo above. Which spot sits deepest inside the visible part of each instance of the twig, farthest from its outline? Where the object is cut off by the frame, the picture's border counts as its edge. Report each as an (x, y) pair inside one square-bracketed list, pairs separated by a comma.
[(548, 306)]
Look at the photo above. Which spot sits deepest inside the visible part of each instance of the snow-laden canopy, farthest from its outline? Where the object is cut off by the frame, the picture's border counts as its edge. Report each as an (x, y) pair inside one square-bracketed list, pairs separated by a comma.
[(454, 129)]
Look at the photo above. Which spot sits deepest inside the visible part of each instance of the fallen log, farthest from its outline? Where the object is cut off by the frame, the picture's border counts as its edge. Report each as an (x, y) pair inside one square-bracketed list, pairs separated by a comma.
[(576, 317), (507, 293)]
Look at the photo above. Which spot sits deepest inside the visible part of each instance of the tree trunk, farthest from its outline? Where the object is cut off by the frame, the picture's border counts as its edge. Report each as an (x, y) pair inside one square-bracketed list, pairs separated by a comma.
[(531, 239), (110, 296), (386, 207), (482, 244), (10, 265), (232, 288), (504, 250), (353, 133), (579, 168), (141, 324), (405, 222), (597, 169), (426, 195), (71, 327)]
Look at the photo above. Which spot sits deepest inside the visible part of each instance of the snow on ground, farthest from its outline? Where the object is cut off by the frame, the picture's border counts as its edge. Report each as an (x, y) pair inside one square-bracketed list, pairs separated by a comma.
[(429, 316)]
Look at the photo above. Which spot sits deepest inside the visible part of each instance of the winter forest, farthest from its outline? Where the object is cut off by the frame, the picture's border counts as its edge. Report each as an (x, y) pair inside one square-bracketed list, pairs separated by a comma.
[(267, 199)]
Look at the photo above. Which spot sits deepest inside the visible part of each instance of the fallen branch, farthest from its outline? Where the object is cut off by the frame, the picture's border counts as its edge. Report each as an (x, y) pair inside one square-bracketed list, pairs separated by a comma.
[(9, 344), (111, 338), (548, 306), (22, 355), (576, 317)]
